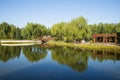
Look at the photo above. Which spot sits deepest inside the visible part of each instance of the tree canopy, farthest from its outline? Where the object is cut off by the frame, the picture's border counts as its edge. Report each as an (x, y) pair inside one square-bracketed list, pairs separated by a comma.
[(32, 31), (8, 31)]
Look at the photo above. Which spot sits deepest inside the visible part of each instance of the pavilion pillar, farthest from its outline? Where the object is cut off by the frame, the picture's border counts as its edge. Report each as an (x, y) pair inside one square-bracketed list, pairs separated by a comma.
[(94, 39), (103, 39), (115, 39), (106, 39)]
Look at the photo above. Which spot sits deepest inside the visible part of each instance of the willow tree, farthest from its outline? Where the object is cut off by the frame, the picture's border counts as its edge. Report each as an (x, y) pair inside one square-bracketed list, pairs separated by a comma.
[(32, 31), (58, 30), (79, 29), (76, 29)]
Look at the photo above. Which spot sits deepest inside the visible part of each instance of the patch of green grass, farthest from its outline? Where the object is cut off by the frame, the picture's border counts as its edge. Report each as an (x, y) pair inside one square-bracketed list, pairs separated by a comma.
[(85, 46)]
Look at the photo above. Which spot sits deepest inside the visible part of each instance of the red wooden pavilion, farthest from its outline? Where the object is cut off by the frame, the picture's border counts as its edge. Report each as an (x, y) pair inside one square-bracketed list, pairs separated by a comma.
[(105, 38)]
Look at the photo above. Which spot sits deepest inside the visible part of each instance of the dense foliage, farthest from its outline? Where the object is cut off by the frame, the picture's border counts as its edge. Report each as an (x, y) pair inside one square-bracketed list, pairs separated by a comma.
[(8, 31), (32, 31), (76, 29)]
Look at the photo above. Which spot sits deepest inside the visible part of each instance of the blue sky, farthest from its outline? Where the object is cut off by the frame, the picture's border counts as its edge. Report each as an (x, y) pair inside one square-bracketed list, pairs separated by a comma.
[(49, 12)]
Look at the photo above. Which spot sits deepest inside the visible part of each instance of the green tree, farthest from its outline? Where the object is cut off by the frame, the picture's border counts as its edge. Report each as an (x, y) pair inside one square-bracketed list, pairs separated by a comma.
[(18, 33), (32, 31), (76, 29), (5, 27), (58, 30)]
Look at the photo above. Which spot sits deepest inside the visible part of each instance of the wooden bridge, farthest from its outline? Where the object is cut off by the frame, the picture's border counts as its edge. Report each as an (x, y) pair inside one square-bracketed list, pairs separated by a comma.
[(44, 39)]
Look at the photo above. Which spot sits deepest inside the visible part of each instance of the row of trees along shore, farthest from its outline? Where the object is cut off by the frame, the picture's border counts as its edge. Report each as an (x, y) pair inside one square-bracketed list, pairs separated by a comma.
[(76, 29)]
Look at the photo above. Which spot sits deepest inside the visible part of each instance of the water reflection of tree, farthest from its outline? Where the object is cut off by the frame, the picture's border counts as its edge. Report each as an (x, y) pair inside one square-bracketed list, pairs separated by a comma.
[(105, 55), (34, 53), (76, 59), (7, 53)]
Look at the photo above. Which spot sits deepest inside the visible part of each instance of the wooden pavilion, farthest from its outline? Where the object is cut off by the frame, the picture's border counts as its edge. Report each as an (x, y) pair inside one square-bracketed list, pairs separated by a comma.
[(105, 38)]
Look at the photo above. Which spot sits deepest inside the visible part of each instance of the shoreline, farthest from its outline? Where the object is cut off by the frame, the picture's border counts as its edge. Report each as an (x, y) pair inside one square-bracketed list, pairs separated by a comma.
[(60, 43), (85, 46)]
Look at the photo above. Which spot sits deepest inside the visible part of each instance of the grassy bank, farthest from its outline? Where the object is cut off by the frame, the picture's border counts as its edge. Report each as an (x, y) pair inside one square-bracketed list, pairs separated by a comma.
[(86, 46)]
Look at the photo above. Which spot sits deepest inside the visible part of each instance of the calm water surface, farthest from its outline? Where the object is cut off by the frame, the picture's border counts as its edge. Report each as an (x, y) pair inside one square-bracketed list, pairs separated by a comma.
[(58, 63)]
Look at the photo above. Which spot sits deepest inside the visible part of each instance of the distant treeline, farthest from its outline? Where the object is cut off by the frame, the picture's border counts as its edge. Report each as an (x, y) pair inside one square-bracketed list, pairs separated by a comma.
[(76, 29), (31, 31)]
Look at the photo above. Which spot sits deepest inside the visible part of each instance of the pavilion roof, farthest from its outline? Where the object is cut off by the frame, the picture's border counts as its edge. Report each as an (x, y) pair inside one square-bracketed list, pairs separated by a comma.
[(104, 35)]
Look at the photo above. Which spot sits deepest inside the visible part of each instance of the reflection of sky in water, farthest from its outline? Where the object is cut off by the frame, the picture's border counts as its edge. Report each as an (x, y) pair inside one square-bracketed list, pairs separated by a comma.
[(107, 67), (48, 69), (13, 65), (45, 67)]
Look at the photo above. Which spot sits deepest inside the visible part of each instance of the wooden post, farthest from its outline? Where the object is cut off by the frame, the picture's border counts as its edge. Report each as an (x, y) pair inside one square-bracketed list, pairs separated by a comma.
[(94, 39), (115, 40), (103, 39), (106, 39)]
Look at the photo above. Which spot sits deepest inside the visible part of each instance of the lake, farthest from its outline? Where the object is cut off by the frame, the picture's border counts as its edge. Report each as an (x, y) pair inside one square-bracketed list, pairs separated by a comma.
[(57, 63)]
